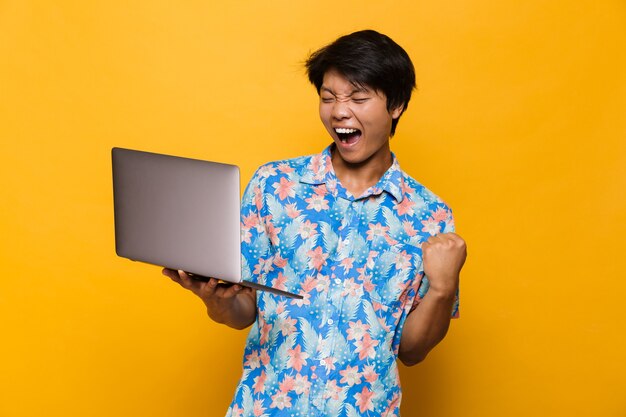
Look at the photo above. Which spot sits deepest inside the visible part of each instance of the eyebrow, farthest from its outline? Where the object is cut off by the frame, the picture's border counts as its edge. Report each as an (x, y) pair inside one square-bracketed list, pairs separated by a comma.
[(354, 91)]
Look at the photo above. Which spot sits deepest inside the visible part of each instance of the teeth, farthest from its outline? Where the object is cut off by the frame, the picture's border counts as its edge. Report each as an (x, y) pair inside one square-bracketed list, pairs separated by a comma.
[(344, 130)]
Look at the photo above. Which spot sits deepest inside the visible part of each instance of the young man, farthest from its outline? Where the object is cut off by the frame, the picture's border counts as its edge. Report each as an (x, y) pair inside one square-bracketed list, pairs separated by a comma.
[(356, 237)]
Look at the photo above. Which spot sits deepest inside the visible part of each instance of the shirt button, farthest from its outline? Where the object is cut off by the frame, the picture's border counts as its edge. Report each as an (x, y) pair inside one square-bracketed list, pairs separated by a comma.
[(337, 281), (330, 321)]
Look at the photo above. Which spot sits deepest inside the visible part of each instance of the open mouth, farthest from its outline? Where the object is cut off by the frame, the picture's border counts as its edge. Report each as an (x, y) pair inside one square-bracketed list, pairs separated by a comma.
[(347, 135)]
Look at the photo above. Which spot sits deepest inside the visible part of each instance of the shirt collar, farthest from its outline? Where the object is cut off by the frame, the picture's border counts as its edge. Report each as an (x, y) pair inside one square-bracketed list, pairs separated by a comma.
[(319, 170)]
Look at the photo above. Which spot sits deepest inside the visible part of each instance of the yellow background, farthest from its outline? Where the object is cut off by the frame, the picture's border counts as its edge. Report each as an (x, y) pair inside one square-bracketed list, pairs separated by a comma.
[(519, 124)]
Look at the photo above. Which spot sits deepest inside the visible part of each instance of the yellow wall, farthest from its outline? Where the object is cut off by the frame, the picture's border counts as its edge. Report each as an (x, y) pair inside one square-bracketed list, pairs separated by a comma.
[(519, 124)]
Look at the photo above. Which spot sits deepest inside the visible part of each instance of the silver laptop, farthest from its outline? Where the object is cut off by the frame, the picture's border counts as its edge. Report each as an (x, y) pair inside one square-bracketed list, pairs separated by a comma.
[(179, 213)]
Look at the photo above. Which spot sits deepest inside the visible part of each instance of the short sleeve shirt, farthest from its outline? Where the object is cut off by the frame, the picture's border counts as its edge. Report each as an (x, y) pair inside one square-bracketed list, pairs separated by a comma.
[(357, 262)]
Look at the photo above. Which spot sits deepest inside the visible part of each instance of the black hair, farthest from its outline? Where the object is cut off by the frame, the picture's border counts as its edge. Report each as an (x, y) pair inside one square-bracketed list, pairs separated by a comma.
[(367, 59)]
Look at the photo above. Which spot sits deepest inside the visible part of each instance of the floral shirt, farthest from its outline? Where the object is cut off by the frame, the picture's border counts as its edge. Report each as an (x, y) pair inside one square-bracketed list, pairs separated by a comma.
[(357, 263)]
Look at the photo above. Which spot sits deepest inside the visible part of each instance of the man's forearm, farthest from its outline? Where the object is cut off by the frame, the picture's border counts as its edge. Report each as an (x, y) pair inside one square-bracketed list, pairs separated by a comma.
[(426, 326)]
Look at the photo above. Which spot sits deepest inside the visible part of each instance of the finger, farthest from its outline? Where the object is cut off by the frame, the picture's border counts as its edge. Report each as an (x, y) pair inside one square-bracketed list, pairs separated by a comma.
[(456, 239), (171, 274), (230, 290), (433, 239), (208, 288), (246, 290), (185, 280)]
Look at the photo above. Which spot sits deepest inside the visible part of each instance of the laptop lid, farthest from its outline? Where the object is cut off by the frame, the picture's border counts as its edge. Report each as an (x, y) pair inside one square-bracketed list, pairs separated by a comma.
[(179, 213)]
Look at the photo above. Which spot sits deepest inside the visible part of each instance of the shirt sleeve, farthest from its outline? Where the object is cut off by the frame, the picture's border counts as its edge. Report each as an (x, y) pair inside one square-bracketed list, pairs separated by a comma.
[(255, 244), (438, 220)]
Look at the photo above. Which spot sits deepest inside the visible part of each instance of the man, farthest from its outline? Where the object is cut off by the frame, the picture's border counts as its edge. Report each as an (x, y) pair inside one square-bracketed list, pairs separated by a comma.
[(356, 237)]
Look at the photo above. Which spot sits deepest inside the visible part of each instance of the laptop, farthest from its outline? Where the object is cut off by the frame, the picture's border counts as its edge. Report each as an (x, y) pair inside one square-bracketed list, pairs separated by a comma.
[(180, 213)]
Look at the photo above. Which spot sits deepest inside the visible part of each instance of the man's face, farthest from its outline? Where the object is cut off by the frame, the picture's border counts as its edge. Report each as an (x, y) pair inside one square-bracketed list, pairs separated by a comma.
[(357, 120)]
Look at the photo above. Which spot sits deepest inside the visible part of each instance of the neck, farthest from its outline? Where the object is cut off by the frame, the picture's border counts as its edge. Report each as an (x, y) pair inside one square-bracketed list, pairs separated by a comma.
[(358, 177)]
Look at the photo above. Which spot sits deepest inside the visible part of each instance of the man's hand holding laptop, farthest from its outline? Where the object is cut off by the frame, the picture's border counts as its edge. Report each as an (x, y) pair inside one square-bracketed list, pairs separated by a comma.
[(230, 304)]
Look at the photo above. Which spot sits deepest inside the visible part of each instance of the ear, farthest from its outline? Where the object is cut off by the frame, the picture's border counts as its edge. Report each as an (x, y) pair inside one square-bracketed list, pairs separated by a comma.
[(397, 112)]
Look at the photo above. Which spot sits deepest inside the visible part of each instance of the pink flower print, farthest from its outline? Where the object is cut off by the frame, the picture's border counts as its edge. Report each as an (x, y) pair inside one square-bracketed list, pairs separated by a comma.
[(287, 326), (245, 234), (331, 184), (302, 384), (332, 390), (350, 288), (370, 374), (265, 357), (390, 240), (285, 188), (431, 226), (328, 363), (267, 170), (237, 412), (328, 164), (292, 210), (408, 228), (263, 267), (285, 168), (316, 164), (280, 308), (370, 258), (367, 284), (403, 260), (297, 358), (441, 214), (357, 330), (287, 384), (347, 264), (450, 223), (404, 295), (317, 258), (272, 231), (308, 284), (365, 347), (279, 282), (259, 410), (253, 360), (258, 198), (364, 400), (251, 220), (323, 282), (307, 229), (376, 230), (280, 400), (362, 273), (321, 190), (305, 300), (259, 383), (394, 403), (279, 261), (405, 187), (265, 332), (317, 203), (351, 375), (405, 207), (377, 306)]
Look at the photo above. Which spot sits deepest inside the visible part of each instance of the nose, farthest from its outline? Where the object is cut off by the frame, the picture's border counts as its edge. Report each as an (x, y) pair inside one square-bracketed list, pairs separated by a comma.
[(341, 110)]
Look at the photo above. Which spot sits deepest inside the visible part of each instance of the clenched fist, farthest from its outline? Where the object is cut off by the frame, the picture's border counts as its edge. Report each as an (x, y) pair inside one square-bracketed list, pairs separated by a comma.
[(443, 256)]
